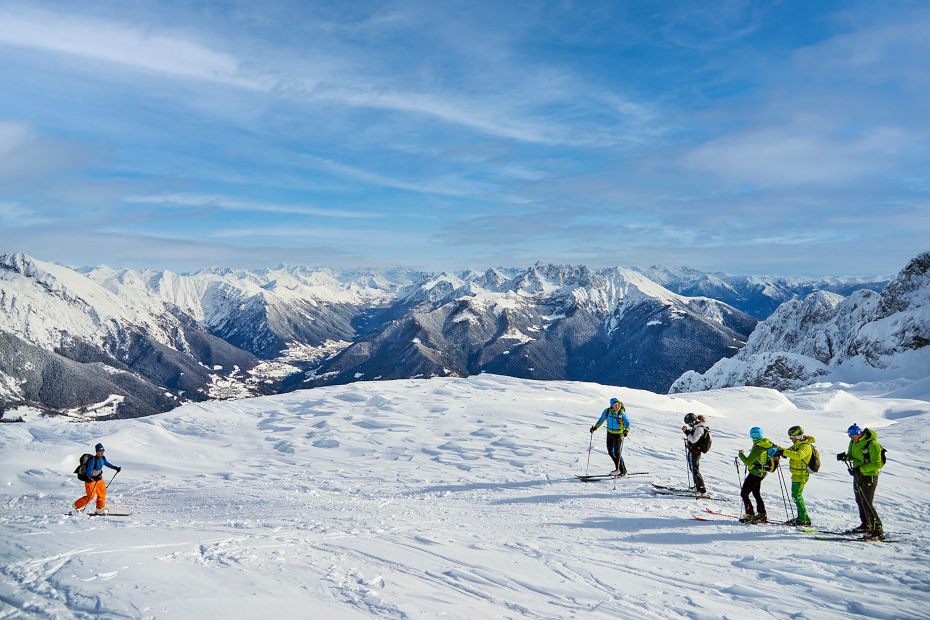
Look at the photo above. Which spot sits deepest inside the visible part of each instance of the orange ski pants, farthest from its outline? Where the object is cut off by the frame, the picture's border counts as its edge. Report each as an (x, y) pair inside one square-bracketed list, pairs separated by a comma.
[(96, 487)]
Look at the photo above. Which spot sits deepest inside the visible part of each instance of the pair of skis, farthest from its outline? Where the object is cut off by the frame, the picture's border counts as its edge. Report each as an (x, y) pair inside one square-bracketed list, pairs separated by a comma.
[(598, 478), (659, 489), (94, 514), (821, 534)]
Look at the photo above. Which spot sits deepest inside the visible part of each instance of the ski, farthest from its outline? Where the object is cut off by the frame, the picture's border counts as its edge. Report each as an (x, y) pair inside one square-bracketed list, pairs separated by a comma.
[(598, 477), (662, 486), (848, 533), (111, 514), (691, 495), (722, 514), (856, 539)]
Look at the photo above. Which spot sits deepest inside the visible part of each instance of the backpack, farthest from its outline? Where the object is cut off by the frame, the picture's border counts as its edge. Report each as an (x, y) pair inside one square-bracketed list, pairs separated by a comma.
[(813, 465), (772, 463), (81, 469), (703, 444)]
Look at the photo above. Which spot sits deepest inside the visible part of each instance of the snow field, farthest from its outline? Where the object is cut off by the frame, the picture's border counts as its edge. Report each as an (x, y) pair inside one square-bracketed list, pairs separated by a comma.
[(455, 498)]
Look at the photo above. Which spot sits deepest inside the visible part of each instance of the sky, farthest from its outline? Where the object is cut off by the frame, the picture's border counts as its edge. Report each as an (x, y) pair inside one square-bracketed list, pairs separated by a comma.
[(785, 138)]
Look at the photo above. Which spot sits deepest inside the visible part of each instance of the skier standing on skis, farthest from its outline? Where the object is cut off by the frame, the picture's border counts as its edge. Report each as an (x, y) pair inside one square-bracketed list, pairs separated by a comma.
[(694, 430), (618, 427), (864, 460), (759, 464), (94, 484), (800, 455)]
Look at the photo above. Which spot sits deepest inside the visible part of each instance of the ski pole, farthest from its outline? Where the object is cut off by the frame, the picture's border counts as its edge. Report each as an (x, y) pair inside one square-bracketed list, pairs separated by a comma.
[(739, 484), (107, 485), (588, 464), (688, 465), (784, 494)]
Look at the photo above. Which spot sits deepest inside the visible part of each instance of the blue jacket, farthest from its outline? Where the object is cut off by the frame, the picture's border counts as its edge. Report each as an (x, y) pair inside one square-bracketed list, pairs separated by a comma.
[(95, 466), (615, 423)]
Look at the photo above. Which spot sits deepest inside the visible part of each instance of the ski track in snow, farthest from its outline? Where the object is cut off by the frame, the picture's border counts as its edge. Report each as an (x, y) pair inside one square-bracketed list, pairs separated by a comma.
[(408, 499)]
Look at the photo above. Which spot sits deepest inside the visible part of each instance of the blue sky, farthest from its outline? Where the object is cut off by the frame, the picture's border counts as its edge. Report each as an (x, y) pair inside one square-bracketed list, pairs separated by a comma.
[(749, 137)]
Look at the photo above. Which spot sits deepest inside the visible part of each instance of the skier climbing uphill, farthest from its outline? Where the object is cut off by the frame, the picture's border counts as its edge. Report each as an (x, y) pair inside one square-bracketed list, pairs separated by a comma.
[(759, 464), (93, 481), (618, 427)]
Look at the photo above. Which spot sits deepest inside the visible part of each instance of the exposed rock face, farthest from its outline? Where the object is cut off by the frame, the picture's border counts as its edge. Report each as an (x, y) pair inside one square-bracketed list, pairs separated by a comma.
[(865, 336)]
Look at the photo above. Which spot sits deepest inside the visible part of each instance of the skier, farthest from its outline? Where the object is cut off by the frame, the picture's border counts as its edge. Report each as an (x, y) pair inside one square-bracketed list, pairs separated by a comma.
[(95, 484), (618, 427), (863, 458), (694, 431), (759, 464), (799, 454)]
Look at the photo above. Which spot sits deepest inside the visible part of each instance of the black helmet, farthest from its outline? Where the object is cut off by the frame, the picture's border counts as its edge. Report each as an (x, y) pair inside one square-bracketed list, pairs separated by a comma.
[(690, 418)]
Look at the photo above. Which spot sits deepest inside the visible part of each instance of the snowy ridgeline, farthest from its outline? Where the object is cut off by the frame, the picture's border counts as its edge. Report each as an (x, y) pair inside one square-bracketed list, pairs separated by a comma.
[(457, 497)]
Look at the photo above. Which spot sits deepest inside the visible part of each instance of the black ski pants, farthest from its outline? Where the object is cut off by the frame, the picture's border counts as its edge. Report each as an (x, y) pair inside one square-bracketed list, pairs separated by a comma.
[(864, 488), (752, 484), (694, 463), (615, 450)]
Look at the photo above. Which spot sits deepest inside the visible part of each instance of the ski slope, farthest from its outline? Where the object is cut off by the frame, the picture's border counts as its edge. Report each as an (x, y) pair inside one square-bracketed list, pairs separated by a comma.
[(454, 498)]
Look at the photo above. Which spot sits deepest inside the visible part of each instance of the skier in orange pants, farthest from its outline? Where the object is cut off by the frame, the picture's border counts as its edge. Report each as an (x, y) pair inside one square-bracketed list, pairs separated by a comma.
[(93, 482)]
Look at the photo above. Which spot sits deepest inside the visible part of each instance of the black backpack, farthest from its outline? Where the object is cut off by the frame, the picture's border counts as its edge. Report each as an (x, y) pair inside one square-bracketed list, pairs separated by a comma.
[(703, 444), (81, 470)]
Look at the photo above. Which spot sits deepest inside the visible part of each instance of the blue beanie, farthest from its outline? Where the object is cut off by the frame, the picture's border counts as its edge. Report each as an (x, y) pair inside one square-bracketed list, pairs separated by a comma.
[(853, 430), (99, 447), (614, 400)]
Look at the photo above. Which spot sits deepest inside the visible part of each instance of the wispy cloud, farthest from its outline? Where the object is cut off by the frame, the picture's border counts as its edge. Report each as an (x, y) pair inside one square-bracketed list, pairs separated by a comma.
[(122, 44), (792, 155), (234, 204)]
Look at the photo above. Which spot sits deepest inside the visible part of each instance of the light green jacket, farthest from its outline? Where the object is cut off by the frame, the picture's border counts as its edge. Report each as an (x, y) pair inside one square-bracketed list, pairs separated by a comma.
[(799, 454)]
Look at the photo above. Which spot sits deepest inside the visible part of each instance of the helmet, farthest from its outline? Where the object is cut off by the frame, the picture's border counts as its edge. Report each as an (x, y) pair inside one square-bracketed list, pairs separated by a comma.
[(690, 418), (853, 430), (795, 431), (755, 432)]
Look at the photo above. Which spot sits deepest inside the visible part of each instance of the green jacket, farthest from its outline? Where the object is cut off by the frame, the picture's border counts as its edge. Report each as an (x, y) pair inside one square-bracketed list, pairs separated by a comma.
[(865, 454), (799, 454), (758, 457)]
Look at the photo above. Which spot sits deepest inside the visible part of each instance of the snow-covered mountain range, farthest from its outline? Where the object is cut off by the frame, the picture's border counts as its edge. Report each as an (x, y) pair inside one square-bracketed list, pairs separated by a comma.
[(864, 337), (105, 342), (545, 322)]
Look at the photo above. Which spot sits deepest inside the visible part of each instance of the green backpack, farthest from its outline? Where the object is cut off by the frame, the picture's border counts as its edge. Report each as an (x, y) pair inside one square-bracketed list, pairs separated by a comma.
[(813, 465)]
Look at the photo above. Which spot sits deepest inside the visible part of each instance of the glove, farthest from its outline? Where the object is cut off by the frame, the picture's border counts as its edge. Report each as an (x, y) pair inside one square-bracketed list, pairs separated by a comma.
[(98, 478), (593, 429), (626, 432), (841, 456), (779, 453), (119, 469)]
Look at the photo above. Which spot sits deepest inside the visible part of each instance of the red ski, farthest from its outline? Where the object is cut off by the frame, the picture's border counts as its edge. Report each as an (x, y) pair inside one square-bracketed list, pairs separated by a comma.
[(722, 514)]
